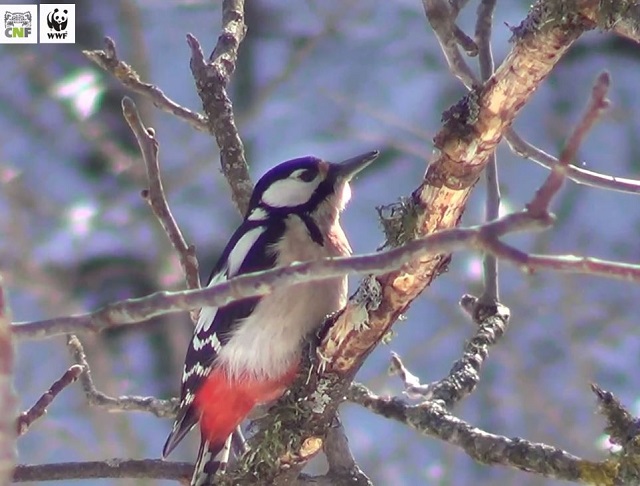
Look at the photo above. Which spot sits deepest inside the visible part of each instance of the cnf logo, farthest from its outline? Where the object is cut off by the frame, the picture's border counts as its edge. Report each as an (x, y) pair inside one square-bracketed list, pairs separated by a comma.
[(57, 21), (17, 24)]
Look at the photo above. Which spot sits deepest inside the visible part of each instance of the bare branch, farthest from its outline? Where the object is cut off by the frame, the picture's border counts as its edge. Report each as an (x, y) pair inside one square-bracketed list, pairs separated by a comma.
[(159, 408), (27, 418), (8, 400), (597, 104), (465, 373), (470, 135), (573, 172), (484, 24), (108, 60), (155, 195), (463, 72), (442, 22), (622, 427), (621, 18), (343, 469), (433, 420), (212, 79), (125, 469), (110, 468), (624, 431), (483, 237), (491, 292), (463, 147)]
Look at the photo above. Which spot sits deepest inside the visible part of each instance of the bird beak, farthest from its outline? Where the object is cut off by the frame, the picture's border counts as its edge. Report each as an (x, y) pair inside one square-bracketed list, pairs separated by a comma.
[(347, 169)]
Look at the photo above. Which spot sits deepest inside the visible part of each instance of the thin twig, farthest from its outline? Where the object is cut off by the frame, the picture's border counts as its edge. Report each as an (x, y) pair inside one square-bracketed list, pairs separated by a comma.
[(574, 172), (125, 469), (110, 468), (463, 72), (464, 375), (155, 195), (8, 400), (343, 468), (484, 23), (483, 237), (212, 79), (432, 419), (623, 430), (597, 104), (466, 42), (441, 20), (109, 61), (27, 418), (159, 408)]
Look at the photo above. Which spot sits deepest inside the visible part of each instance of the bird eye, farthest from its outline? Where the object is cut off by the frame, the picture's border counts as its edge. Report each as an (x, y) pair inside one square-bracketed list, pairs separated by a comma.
[(308, 175)]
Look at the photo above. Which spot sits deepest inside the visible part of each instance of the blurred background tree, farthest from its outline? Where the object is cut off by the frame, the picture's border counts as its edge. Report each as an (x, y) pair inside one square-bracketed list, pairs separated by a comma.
[(329, 78)]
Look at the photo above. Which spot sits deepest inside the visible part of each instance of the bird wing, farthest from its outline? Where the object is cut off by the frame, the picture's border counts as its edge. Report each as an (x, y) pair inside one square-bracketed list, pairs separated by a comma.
[(249, 250)]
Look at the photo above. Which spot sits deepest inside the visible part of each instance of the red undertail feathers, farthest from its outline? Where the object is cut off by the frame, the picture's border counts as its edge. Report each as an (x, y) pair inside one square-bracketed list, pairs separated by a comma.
[(223, 403)]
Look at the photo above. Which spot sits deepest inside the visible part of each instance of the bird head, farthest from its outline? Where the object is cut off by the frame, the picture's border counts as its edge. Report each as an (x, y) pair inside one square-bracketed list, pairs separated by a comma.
[(307, 185)]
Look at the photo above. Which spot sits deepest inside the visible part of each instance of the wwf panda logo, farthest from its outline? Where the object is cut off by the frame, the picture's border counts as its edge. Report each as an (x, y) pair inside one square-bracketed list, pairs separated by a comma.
[(57, 20)]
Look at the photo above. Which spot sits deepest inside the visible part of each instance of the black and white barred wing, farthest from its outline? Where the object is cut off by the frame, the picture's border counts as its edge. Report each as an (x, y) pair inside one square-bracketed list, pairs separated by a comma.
[(249, 250)]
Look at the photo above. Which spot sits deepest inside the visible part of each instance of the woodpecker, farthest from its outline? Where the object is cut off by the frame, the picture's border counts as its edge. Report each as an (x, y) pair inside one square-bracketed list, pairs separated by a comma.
[(247, 353)]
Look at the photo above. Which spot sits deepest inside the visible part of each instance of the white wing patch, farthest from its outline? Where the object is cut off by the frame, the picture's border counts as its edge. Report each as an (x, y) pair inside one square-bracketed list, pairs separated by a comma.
[(241, 249), (207, 315)]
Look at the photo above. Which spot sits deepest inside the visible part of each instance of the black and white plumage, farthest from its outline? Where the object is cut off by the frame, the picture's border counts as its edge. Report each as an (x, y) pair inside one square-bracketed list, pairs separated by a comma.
[(247, 352)]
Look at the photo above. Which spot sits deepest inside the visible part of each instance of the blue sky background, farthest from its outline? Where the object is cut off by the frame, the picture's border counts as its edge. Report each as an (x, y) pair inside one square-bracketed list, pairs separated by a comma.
[(329, 78)]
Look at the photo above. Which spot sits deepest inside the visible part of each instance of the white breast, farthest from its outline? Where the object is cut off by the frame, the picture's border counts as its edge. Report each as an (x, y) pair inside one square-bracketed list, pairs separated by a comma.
[(268, 343)]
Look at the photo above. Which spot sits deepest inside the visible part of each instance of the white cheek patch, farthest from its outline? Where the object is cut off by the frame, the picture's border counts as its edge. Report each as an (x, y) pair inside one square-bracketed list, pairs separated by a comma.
[(345, 196), (241, 249), (289, 192)]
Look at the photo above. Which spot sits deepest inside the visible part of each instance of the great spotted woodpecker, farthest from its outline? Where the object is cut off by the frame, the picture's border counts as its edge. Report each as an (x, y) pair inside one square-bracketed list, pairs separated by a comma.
[(247, 353)]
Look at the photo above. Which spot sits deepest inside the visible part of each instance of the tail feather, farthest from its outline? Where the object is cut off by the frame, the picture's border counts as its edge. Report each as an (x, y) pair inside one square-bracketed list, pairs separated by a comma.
[(212, 458)]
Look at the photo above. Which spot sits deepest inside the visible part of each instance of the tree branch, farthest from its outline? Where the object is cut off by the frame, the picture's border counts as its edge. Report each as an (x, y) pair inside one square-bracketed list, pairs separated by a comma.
[(433, 420), (125, 469), (27, 418), (155, 195), (460, 69), (622, 427), (623, 430), (111, 468), (472, 130), (574, 172), (465, 372), (484, 23), (597, 104), (483, 237), (442, 20), (212, 79), (343, 469), (109, 61), (8, 402), (469, 136), (159, 408)]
